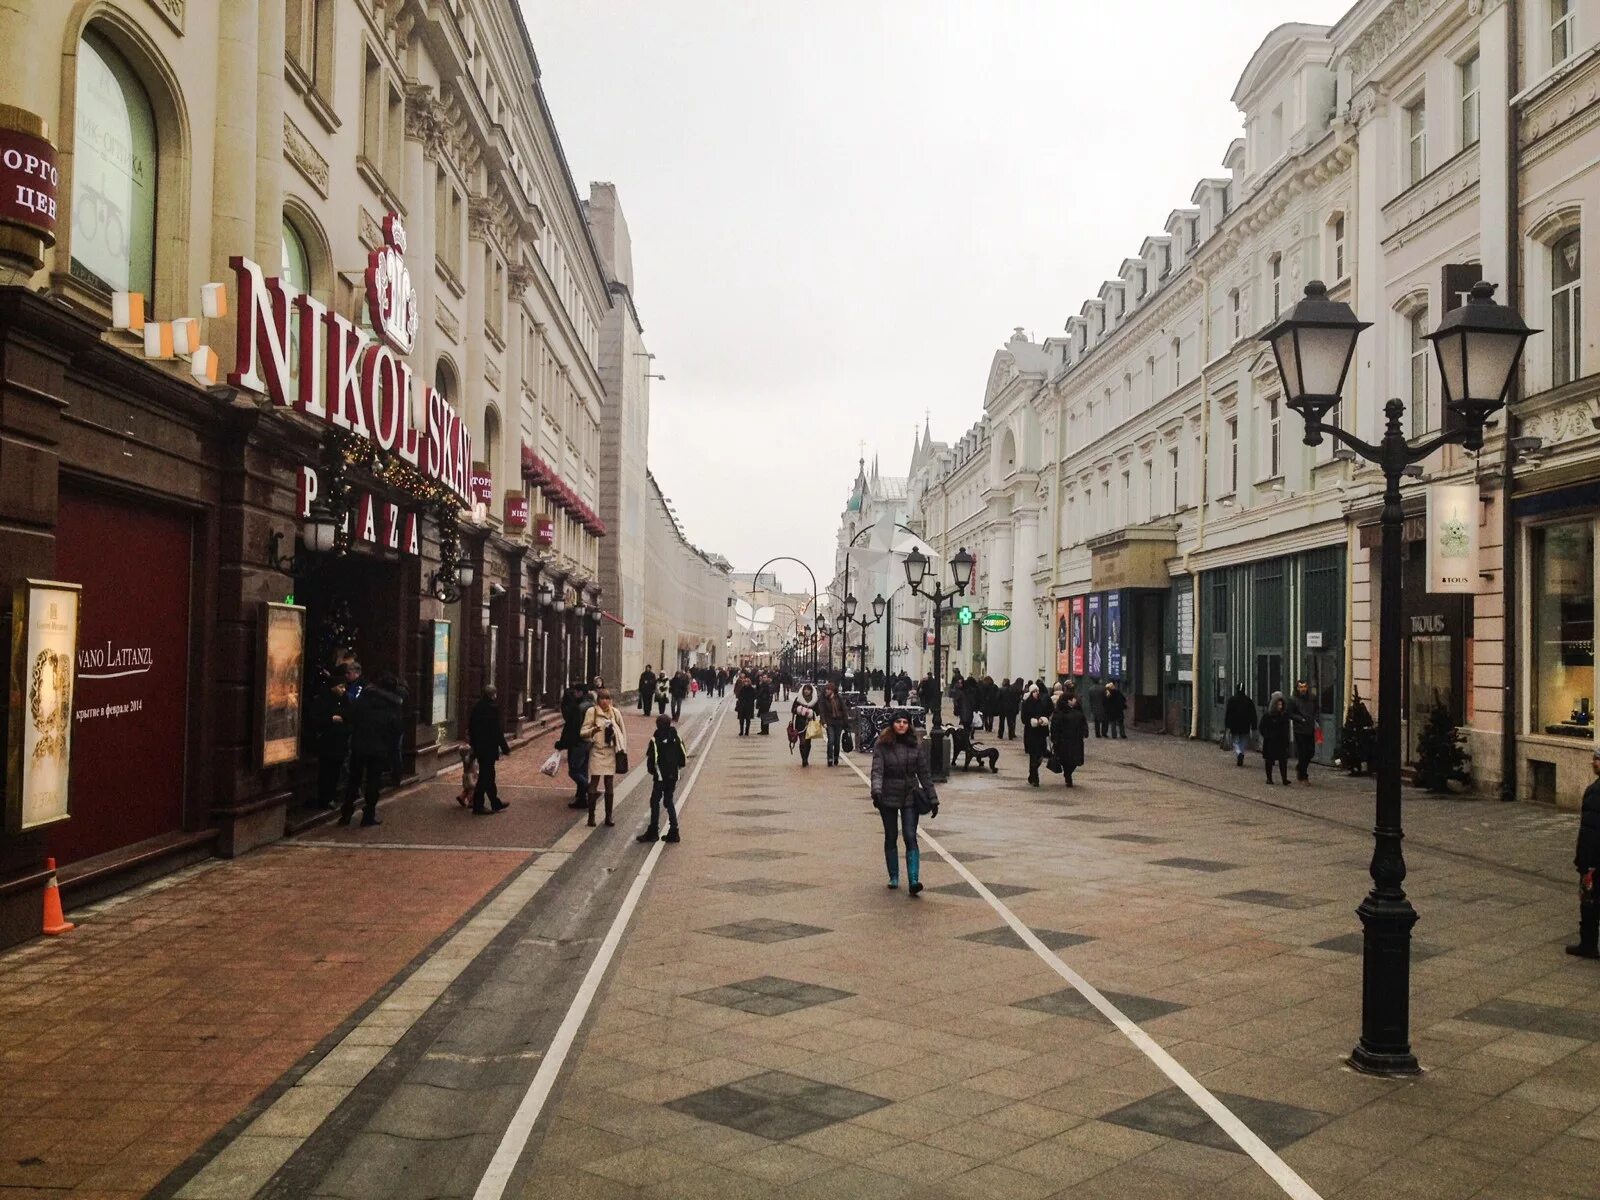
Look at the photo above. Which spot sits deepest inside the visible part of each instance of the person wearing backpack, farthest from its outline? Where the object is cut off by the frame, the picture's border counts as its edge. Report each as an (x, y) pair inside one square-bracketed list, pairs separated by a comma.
[(664, 757)]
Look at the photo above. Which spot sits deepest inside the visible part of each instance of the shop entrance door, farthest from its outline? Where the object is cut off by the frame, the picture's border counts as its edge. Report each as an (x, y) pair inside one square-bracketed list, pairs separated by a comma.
[(132, 702), (354, 601), (1322, 673), (1430, 675)]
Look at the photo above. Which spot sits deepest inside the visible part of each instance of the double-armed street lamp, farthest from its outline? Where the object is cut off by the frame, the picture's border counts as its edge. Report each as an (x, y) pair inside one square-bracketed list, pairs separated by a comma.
[(1478, 346), (916, 565), (850, 605)]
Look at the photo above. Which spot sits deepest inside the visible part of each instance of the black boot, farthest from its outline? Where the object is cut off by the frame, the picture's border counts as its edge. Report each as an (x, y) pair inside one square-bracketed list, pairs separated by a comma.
[(649, 835), (672, 836)]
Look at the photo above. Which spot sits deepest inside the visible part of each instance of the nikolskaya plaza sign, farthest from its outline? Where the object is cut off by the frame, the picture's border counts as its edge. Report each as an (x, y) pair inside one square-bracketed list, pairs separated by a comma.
[(353, 380)]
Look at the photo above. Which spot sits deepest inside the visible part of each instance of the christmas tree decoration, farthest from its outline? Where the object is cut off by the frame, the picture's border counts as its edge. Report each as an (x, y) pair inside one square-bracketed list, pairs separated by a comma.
[(1358, 737), (1440, 757)]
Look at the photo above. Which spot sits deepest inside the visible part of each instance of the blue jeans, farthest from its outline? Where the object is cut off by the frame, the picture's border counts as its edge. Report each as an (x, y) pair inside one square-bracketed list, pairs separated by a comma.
[(1241, 743), (899, 823), (835, 732)]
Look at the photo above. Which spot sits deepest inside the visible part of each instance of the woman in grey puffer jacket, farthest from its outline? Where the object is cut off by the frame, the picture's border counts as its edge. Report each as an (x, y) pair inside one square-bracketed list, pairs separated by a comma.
[(899, 776)]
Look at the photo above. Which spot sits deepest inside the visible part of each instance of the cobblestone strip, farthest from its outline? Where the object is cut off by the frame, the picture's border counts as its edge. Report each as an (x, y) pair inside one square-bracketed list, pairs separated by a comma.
[(247, 1163)]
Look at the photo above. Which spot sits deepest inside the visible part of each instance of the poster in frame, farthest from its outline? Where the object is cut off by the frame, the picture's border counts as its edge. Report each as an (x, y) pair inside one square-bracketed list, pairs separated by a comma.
[(44, 655), (283, 672), (439, 672)]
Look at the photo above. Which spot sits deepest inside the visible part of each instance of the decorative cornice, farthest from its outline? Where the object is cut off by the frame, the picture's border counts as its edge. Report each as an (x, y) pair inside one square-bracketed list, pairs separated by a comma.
[(304, 157), (1385, 33)]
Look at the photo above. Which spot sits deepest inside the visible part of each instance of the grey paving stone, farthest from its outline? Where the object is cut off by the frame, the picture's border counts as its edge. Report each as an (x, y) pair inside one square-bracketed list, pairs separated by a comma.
[(962, 888), (1273, 899), (1354, 943), (759, 887), (765, 930), (776, 1105), (1004, 935), (770, 996), (1208, 865), (760, 831), (759, 854), (1535, 1018), (1069, 1002), (1091, 818), (753, 812), (1172, 1114), (1140, 839)]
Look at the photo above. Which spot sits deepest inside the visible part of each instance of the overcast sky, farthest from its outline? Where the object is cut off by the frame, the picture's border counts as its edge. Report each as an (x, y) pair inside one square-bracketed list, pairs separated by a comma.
[(841, 208)]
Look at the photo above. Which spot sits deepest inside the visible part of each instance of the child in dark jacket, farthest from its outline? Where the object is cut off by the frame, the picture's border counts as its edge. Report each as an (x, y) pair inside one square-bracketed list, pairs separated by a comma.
[(663, 758)]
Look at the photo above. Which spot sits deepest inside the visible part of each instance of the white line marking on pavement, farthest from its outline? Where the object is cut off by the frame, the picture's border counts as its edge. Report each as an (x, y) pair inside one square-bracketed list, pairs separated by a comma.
[(330, 844), (1265, 1157), (515, 1140)]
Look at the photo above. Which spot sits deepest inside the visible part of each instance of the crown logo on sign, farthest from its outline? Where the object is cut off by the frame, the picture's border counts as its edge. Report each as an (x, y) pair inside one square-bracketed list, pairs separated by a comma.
[(391, 299)]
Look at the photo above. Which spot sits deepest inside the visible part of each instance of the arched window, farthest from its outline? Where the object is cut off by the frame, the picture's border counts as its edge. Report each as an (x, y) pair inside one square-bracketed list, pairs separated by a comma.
[(296, 270), (114, 173), (444, 381), (1566, 303), (491, 440)]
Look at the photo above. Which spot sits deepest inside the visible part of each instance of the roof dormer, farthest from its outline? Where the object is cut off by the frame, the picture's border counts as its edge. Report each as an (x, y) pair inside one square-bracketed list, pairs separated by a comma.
[(1210, 197), (1286, 94), (1157, 255), (1135, 283), (1093, 314), (1180, 228), (1114, 296)]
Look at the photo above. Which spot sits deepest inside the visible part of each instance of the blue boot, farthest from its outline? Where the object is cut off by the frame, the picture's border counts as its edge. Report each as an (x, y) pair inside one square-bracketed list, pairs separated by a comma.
[(891, 856), (913, 865)]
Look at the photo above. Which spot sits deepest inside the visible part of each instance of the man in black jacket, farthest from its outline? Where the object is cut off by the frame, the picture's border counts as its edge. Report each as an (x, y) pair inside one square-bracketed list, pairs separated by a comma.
[(486, 735), (1303, 712), (1240, 719), (331, 736), (647, 689), (375, 728), (1587, 860)]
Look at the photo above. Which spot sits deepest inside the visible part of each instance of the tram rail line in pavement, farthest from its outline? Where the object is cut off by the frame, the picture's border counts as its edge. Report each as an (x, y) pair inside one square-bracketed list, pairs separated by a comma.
[(253, 1154), (1238, 1132)]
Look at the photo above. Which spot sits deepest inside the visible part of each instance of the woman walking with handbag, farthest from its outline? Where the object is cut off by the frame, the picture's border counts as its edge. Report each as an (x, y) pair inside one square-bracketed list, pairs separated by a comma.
[(835, 716), (1069, 728), (902, 786), (607, 738), (744, 704), (1035, 731), (805, 717)]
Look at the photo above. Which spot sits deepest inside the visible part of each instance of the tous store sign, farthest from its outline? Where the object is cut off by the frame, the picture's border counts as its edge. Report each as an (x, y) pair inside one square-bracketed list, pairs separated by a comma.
[(347, 377)]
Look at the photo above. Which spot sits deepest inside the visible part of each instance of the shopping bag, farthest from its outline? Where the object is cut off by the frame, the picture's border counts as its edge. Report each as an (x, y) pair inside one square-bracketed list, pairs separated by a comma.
[(814, 730), (552, 764), (622, 762)]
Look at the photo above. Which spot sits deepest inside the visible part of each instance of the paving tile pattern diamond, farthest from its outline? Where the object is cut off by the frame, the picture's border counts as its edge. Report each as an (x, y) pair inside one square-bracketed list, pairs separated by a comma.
[(777, 1106), (770, 996)]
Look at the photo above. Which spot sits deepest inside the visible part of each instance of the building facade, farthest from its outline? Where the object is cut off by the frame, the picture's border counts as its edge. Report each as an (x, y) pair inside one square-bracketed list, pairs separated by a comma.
[(405, 347)]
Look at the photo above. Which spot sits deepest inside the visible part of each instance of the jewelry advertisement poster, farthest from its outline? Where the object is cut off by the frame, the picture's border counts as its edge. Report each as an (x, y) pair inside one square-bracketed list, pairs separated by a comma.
[(44, 648), (283, 664)]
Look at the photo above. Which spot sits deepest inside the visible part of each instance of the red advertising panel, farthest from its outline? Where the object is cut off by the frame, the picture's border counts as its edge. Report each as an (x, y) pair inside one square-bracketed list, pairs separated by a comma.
[(1075, 635), (1063, 637), (131, 709), (28, 183)]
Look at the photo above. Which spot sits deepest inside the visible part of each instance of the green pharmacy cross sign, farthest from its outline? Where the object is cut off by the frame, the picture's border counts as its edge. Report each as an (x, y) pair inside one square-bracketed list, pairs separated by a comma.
[(964, 615), (995, 622)]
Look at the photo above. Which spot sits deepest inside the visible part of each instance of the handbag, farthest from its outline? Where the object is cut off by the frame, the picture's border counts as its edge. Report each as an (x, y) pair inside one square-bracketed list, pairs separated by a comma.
[(1053, 765), (814, 730), (622, 762), (847, 741), (926, 807)]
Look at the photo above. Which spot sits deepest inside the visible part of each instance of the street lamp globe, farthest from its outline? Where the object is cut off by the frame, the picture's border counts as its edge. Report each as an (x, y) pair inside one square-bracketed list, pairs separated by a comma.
[(465, 571), (961, 569), (878, 605), (1313, 347), (916, 564), (1478, 346), (319, 529), (849, 606)]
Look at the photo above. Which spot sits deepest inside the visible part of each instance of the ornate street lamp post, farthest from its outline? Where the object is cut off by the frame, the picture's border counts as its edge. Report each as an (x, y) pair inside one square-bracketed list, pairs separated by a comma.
[(1478, 346), (916, 565), (850, 605)]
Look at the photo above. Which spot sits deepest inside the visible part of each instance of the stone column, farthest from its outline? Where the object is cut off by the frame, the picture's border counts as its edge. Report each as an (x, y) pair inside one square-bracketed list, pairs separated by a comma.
[(998, 597), (1494, 129), (235, 157), (1024, 633), (269, 138)]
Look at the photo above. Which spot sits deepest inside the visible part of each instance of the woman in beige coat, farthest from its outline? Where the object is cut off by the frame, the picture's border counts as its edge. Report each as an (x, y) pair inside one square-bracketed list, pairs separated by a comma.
[(606, 734)]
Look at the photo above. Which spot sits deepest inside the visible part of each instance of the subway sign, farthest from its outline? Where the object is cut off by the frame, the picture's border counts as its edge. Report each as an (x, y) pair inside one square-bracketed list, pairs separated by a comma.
[(995, 622)]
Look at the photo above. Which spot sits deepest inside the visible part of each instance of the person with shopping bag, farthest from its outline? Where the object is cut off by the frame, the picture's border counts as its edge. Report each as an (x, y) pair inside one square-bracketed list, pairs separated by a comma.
[(607, 739), (805, 721)]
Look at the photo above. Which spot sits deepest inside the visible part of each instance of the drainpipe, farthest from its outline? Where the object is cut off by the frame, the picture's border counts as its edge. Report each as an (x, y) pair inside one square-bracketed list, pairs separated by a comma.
[(1509, 715), (1055, 526), (1205, 503)]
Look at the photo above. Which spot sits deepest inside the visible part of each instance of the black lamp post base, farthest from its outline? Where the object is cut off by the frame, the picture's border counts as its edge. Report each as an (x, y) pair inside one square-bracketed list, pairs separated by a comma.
[(1380, 1062)]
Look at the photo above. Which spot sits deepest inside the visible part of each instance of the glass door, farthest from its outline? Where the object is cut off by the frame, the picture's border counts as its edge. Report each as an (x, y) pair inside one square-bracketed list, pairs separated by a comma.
[(1429, 680)]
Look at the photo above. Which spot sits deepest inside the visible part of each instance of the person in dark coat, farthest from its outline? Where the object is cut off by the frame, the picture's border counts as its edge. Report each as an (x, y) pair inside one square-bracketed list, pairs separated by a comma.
[(331, 737), (1304, 715), (1011, 708), (928, 691), (486, 735), (744, 704), (664, 757), (988, 702), (1116, 703), (807, 706), (1035, 713), (574, 703), (375, 726), (1069, 728), (1239, 718), (902, 688), (964, 698), (900, 778), (764, 702), (835, 718), (647, 690), (679, 690), (1276, 734), (1097, 705), (1587, 860)]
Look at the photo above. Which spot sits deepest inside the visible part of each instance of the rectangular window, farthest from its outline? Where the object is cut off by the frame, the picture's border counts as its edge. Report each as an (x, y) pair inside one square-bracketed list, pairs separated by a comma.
[(1233, 455), (1416, 126), (1274, 438), (374, 97), (1420, 351), (1177, 362), (1275, 268), (1235, 309), (1172, 470), (1561, 652), (1562, 17), (1338, 247), (1468, 71), (1106, 516), (1566, 308), (1149, 490)]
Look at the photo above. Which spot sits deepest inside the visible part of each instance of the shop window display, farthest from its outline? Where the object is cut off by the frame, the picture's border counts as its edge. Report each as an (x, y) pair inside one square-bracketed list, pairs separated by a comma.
[(1562, 651)]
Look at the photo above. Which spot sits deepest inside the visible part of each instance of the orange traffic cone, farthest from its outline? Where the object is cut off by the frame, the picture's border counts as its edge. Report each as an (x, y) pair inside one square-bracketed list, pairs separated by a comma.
[(54, 921)]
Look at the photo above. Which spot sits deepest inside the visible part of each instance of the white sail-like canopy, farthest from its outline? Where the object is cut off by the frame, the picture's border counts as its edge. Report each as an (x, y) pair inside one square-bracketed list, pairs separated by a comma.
[(750, 617), (886, 545)]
